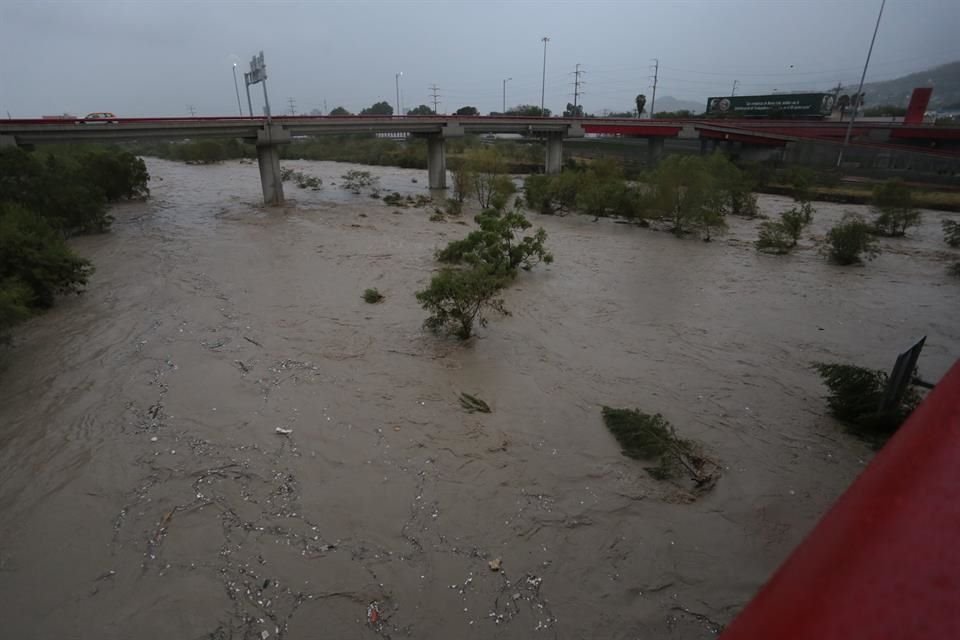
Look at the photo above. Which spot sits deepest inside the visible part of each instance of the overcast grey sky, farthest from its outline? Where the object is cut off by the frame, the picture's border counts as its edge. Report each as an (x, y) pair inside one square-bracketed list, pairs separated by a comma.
[(154, 58)]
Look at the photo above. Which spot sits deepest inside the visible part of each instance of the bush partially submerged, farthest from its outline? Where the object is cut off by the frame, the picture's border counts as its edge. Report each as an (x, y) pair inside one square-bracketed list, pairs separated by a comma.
[(849, 241), (893, 201), (302, 180), (951, 232), (855, 399), (372, 296), (458, 298), (499, 244), (652, 437), (781, 237), (356, 181)]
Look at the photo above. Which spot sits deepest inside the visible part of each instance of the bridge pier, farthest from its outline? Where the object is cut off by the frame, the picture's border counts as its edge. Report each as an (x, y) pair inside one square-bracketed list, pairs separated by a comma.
[(437, 162), (269, 139), (8, 141), (554, 155)]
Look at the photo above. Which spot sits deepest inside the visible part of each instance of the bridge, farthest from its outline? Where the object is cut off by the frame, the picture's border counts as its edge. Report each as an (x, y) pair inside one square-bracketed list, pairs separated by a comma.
[(267, 134)]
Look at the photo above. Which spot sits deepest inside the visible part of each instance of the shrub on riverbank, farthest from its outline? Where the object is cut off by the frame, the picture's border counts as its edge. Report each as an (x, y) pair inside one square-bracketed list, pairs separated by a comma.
[(45, 197)]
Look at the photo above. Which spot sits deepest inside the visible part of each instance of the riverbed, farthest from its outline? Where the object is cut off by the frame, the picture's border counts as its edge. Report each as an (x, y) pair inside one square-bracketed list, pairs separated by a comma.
[(146, 492)]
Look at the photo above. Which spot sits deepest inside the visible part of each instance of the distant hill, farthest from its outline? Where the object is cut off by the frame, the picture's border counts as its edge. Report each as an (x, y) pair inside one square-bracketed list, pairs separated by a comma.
[(669, 103), (944, 79)]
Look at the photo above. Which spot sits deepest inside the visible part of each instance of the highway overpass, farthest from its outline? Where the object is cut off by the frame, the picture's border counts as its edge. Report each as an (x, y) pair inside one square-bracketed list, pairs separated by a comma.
[(268, 134)]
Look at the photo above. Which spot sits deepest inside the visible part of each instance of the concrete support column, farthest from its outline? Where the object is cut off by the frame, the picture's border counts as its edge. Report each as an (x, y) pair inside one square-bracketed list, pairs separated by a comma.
[(8, 141), (654, 151), (554, 159), (437, 162), (269, 140), (268, 157)]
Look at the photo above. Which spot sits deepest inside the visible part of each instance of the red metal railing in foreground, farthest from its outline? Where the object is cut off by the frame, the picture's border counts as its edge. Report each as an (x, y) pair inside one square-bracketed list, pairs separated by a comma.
[(884, 562)]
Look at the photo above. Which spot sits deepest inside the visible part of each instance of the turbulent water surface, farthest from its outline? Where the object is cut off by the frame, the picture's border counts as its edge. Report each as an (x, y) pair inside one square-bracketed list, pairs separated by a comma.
[(146, 493)]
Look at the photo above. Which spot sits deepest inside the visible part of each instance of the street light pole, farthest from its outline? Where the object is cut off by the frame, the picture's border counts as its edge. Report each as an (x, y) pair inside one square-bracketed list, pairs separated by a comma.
[(236, 88), (543, 83), (505, 94), (396, 79), (856, 104)]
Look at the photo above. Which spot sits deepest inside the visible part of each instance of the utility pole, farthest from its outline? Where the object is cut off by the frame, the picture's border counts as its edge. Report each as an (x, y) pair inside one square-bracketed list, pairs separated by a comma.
[(236, 88), (576, 85), (733, 91), (863, 76), (505, 94), (325, 106), (191, 110), (653, 98), (396, 79), (293, 106), (543, 83), (436, 98)]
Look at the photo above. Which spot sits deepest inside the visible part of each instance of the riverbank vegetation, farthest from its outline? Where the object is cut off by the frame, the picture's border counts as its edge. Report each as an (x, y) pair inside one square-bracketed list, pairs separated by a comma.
[(45, 198)]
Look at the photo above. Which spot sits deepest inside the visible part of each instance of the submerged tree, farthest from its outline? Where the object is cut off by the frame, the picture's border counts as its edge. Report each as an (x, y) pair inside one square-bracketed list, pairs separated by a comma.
[(458, 298)]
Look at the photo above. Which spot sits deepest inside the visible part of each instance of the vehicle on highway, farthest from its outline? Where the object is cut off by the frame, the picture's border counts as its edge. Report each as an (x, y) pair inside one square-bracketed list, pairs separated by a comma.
[(99, 117)]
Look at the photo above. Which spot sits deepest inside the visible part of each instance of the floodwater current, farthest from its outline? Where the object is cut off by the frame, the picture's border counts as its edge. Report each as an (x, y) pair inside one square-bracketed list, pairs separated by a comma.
[(146, 493)]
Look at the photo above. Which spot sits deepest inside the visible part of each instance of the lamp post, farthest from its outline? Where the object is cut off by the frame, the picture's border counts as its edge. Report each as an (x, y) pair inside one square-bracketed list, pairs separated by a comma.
[(543, 83), (505, 94), (396, 79), (236, 88), (859, 95)]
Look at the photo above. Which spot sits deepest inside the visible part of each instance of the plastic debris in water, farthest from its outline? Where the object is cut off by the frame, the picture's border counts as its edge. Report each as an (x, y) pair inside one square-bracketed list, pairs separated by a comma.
[(283, 432), (373, 613)]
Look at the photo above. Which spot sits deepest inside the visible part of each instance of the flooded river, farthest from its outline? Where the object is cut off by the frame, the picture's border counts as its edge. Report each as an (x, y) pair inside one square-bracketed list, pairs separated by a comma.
[(146, 493)]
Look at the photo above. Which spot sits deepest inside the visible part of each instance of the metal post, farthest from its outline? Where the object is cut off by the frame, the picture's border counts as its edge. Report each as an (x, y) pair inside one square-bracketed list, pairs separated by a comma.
[(396, 78), (505, 94), (266, 100), (249, 102), (236, 88), (856, 106), (543, 84)]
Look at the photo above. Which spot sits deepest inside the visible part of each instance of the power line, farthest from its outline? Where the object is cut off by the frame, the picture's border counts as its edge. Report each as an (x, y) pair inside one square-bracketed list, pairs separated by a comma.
[(436, 97)]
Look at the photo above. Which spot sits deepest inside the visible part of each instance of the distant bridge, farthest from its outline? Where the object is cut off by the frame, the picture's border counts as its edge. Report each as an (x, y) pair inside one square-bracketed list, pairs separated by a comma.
[(268, 134)]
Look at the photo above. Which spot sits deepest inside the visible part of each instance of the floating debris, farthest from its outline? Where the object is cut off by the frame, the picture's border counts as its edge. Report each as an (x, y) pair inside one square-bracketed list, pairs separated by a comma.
[(473, 404)]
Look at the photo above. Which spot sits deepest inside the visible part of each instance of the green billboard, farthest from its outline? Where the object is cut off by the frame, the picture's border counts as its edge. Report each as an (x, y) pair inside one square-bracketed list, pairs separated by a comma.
[(786, 105)]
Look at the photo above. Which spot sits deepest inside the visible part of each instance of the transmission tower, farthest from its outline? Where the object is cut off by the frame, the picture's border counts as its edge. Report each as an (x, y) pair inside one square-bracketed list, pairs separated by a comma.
[(191, 110), (293, 106), (577, 83), (435, 96), (654, 77)]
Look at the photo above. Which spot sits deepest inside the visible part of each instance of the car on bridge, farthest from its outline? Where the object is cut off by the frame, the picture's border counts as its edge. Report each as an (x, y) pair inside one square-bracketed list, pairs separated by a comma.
[(99, 117)]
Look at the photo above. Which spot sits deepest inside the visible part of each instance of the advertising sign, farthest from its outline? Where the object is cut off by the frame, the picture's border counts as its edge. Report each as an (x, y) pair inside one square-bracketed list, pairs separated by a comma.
[(788, 105)]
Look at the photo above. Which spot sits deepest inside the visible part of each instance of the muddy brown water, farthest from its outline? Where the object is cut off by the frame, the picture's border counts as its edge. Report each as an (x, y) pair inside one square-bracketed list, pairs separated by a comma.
[(145, 493)]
